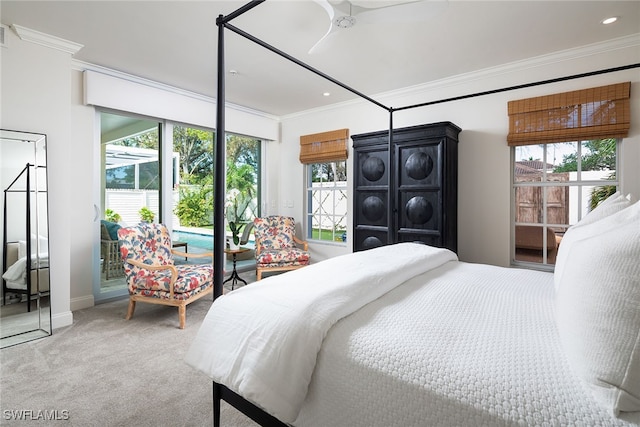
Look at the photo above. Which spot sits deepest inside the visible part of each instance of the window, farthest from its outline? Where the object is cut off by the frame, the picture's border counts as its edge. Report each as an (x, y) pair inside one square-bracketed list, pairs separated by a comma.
[(565, 161), (325, 155), (327, 201), (555, 185)]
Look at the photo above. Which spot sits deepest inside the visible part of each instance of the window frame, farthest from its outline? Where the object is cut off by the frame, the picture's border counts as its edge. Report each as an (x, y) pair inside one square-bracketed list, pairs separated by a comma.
[(309, 214), (579, 183)]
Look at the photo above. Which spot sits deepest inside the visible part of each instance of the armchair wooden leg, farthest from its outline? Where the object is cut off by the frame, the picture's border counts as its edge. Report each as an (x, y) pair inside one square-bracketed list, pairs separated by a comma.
[(132, 307), (182, 314), (258, 275)]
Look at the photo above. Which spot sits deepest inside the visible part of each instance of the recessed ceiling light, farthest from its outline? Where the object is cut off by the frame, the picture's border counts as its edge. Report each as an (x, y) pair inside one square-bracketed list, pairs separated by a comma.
[(326, 94), (233, 72), (610, 20)]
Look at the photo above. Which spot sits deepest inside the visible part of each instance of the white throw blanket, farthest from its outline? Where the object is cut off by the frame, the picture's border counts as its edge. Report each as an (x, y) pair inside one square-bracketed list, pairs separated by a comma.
[(262, 340)]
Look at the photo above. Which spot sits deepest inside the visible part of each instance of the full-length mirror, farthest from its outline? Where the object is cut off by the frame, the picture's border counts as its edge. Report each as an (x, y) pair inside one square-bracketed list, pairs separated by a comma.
[(25, 313)]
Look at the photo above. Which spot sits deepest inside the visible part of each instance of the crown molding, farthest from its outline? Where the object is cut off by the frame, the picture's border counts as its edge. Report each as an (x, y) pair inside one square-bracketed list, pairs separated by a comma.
[(47, 40), (630, 41)]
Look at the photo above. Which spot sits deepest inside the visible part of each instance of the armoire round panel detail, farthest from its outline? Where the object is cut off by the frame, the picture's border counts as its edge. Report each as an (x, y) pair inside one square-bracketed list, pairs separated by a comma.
[(419, 165), (373, 168), (418, 210), (371, 242), (373, 208)]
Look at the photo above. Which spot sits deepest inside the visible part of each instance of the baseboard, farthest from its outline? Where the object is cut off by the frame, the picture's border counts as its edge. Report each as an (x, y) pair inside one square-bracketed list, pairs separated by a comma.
[(82, 302), (61, 320)]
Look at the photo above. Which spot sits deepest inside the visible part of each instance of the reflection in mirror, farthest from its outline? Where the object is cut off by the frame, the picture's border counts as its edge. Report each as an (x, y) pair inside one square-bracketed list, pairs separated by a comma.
[(25, 313)]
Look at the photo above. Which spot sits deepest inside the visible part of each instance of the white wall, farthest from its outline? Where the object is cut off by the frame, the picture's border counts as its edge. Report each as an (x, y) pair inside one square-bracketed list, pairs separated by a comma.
[(35, 93), (484, 158)]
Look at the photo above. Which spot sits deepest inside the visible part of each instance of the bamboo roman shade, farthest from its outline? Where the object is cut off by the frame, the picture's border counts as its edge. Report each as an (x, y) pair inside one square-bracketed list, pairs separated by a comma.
[(596, 113), (324, 147)]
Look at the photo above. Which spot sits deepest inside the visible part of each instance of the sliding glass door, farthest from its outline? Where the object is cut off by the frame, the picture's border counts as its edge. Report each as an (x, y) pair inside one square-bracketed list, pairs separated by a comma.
[(142, 181)]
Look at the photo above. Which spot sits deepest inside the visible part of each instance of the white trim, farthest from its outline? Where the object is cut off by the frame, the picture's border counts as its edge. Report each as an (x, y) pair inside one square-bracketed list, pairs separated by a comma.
[(47, 40), (60, 320), (83, 302)]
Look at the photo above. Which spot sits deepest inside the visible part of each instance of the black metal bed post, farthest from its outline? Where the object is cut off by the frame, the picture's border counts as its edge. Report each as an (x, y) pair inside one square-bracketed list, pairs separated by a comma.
[(220, 155), (28, 236), (391, 178), (219, 172), (4, 248)]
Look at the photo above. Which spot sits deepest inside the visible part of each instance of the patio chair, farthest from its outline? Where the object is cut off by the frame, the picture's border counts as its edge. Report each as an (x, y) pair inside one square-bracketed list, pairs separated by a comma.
[(276, 248), (151, 274), (109, 251)]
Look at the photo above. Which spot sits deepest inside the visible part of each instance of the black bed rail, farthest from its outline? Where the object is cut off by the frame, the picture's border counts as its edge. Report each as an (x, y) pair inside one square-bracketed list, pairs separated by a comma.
[(241, 404)]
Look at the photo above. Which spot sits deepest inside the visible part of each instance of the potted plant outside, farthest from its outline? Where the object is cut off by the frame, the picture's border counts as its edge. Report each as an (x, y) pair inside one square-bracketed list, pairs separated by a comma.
[(146, 214)]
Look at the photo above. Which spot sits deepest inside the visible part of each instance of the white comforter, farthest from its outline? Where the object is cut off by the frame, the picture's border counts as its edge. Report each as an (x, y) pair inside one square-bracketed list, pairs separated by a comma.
[(262, 340), (16, 274)]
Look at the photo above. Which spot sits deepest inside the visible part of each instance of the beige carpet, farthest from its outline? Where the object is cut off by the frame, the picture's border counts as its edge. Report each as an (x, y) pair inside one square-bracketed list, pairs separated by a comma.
[(106, 371)]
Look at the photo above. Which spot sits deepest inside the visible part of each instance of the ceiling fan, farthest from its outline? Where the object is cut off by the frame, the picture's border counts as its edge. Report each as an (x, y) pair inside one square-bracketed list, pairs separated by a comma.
[(345, 14)]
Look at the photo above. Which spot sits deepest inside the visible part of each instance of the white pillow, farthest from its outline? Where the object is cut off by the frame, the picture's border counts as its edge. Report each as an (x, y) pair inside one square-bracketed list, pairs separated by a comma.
[(607, 215), (598, 312), (612, 204)]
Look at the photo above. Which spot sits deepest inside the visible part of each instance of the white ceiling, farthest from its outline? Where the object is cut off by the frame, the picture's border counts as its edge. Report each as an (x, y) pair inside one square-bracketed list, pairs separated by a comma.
[(175, 43)]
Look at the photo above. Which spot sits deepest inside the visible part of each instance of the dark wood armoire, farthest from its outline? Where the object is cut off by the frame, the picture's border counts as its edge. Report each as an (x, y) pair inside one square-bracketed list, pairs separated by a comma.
[(408, 194)]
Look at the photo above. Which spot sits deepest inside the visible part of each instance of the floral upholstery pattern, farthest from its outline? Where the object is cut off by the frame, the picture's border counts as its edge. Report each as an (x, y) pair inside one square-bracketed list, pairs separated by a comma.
[(279, 257), (276, 244), (151, 245)]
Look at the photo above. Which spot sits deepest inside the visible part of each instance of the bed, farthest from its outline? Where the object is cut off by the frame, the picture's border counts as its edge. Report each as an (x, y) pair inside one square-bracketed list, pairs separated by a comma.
[(15, 274), (408, 335)]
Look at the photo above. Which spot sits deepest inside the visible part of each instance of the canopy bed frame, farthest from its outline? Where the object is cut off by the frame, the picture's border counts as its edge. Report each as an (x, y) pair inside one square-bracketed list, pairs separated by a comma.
[(35, 269), (220, 391)]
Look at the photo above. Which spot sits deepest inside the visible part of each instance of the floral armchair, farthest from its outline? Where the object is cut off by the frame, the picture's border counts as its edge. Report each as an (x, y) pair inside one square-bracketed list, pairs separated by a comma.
[(276, 248), (151, 274)]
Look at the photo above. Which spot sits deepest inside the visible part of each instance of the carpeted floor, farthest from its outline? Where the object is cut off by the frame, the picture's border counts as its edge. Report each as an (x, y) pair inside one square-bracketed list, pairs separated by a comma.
[(106, 371)]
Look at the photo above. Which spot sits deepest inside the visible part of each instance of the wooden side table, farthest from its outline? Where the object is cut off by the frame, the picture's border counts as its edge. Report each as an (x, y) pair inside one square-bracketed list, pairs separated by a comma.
[(235, 278)]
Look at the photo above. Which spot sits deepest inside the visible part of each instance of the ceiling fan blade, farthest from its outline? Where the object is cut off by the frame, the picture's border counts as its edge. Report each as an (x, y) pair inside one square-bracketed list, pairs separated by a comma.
[(321, 45), (331, 13)]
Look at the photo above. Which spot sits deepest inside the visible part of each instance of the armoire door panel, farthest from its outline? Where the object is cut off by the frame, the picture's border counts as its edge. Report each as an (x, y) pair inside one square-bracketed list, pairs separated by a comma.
[(419, 210), (372, 208), (373, 169), (419, 165), (370, 237)]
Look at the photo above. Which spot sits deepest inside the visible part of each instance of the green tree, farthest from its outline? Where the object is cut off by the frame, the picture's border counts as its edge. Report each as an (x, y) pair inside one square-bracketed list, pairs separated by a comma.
[(599, 154), (328, 172), (196, 153), (144, 140), (195, 206), (243, 154)]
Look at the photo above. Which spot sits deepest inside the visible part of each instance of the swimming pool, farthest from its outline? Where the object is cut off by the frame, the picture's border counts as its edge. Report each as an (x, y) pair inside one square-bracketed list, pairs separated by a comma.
[(198, 240)]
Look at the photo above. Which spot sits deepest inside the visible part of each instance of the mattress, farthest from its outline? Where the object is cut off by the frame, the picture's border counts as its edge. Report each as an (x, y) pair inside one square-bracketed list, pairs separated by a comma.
[(463, 344)]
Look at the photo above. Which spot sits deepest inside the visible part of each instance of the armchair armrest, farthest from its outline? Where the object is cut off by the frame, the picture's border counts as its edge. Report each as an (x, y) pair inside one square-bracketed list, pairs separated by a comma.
[(172, 268), (304, 243)]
